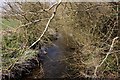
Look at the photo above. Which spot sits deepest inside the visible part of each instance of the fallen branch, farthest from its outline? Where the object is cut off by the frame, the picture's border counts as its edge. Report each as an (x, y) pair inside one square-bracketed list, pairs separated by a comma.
[(54, 12), (110, 50)]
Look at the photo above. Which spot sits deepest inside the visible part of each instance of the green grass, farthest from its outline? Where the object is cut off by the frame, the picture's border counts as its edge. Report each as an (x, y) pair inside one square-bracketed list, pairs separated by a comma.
[(80, 30), (13, 43), (10, 23)]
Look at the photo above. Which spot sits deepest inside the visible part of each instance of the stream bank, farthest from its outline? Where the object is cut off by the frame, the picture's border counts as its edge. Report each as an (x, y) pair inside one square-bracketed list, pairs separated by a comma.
[(54, 61), (52, 64)]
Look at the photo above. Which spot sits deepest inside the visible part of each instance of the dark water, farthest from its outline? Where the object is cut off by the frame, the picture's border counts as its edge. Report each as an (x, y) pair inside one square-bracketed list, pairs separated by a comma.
[(54, 65)]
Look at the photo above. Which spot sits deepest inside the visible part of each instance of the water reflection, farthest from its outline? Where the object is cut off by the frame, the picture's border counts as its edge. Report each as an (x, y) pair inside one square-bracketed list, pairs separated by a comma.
[(53, 66)]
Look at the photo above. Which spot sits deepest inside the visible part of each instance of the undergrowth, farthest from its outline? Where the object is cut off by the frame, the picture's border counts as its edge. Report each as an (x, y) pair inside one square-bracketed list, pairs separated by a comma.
[(87, 28)]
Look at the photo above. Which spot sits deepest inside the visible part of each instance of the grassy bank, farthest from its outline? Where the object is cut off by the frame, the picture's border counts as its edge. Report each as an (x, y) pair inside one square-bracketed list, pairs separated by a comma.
[(88, 30)]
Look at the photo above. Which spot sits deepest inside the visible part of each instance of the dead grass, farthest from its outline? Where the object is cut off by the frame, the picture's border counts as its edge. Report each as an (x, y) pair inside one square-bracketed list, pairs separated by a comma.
[(87, 28), (90, 31)]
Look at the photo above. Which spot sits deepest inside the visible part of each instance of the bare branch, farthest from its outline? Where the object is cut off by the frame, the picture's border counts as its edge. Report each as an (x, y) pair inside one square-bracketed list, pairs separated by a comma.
[(110, 50), (54, 12)]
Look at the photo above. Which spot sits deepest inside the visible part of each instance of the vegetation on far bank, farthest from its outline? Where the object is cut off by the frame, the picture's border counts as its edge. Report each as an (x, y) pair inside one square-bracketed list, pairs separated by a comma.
[(87, 28)]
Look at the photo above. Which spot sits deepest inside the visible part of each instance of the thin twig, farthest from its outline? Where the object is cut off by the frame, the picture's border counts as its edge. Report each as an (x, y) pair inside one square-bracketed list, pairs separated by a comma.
[(55, 9), (86, 75), (110, 50)]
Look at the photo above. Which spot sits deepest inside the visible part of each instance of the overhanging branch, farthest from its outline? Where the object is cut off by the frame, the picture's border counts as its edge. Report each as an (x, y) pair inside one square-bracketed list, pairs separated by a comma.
[(54, 12)]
